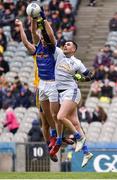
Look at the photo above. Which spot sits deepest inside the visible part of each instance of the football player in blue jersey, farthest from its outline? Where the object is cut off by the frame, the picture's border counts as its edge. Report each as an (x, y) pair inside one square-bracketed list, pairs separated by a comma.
[(48, 94)]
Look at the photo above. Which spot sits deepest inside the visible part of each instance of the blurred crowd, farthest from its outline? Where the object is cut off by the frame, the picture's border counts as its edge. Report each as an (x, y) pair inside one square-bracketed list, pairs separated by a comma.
[(60, 14), (105, 66), (15, 94), (105, 69)]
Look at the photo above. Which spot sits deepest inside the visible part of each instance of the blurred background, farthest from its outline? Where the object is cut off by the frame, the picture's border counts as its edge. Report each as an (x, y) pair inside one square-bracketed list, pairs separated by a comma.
[(93, 25)]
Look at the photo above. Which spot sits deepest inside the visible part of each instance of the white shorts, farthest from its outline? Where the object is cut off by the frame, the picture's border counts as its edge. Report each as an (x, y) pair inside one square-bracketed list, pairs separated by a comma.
[(70, 94), (48, 91)]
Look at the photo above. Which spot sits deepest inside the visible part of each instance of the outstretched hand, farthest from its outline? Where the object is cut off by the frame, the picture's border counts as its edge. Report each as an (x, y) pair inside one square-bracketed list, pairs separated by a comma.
[(79, 77)]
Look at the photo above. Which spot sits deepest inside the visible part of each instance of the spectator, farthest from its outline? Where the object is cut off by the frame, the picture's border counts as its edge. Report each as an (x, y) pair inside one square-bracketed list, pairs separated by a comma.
[(114, 57), (22, 13), (69, 14), (35, 132), (47, 11), (12, 8), (61, 9), (92, 3), (1, 11), (15, 33), (115, 89), (60, 38), (106, 92), (100, 73), (103, 57), (68, 34), (99, 115), (11, 122), (84, 114), (8, 18), (1, 95), (4, 67), (95, 88), (66, 23), (53, 5), (113, 23), (3, 40), (27, 22), (112, 74), (19, 4), (55, 20), (67, 5), (24, 98), (9, 99)]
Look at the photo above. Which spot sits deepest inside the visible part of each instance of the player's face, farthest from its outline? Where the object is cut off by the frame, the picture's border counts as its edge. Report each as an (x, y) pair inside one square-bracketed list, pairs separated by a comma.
[(68, 48)]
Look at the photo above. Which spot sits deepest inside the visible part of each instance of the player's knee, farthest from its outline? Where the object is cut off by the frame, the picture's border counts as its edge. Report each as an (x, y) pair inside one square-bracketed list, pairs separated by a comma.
[(75, 123), (46, 127), (60, 117), (54, 116), (45, 124)]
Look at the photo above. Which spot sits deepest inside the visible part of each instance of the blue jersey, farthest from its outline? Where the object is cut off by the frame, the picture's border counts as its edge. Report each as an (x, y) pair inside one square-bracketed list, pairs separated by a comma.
[(45, 61)]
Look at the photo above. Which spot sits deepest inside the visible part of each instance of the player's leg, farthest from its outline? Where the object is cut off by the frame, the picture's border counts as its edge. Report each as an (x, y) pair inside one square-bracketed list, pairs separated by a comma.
[(87, 155), (46, 109), (44, 101), (48, 127), (66, 109), (52, 94), (75, 121), (46, 133), (45, 126), (48, 117), (69, 100)]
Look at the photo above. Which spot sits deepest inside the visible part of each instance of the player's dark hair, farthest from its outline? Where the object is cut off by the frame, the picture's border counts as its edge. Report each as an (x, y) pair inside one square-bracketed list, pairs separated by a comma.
[(74, 43)]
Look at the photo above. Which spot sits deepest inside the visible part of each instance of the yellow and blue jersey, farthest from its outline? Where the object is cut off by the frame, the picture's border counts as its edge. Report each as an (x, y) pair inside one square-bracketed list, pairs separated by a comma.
[(45, 61)]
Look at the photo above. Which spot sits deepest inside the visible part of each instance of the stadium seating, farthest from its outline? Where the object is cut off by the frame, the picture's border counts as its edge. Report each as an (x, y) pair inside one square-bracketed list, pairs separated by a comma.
[(21, 64), (25, 117)]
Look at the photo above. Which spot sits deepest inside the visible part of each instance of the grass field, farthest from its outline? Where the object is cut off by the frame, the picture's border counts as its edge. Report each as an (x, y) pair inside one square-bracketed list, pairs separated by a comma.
[(61, 175)]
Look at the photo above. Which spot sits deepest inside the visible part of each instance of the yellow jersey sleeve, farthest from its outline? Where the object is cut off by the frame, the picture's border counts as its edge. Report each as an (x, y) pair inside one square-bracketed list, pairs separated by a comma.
[(36, 78)]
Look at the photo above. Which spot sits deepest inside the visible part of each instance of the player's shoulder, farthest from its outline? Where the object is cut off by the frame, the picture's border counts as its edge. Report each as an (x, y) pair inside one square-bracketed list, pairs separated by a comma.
[(58, 50), (76, 60)]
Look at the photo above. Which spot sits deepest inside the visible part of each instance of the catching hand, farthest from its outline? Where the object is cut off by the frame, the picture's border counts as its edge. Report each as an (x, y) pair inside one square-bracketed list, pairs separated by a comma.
[(79, 77)]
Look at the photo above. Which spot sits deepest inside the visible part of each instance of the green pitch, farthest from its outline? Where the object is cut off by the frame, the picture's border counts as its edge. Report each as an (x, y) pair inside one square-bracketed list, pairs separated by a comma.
[(60, 175)]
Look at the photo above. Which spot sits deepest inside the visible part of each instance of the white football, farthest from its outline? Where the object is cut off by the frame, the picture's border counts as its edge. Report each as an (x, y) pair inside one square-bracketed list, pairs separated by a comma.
[(33, 10)]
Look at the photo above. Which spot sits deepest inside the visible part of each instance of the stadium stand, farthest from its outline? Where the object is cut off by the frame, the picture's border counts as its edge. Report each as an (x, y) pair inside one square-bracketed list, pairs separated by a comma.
[(17, 85), (21, 64), (94, 34)]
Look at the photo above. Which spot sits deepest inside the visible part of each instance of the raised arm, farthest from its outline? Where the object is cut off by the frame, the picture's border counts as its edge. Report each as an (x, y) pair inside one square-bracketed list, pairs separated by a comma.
[(35, 35), (50, 32), (46, 29), (25, 41)]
